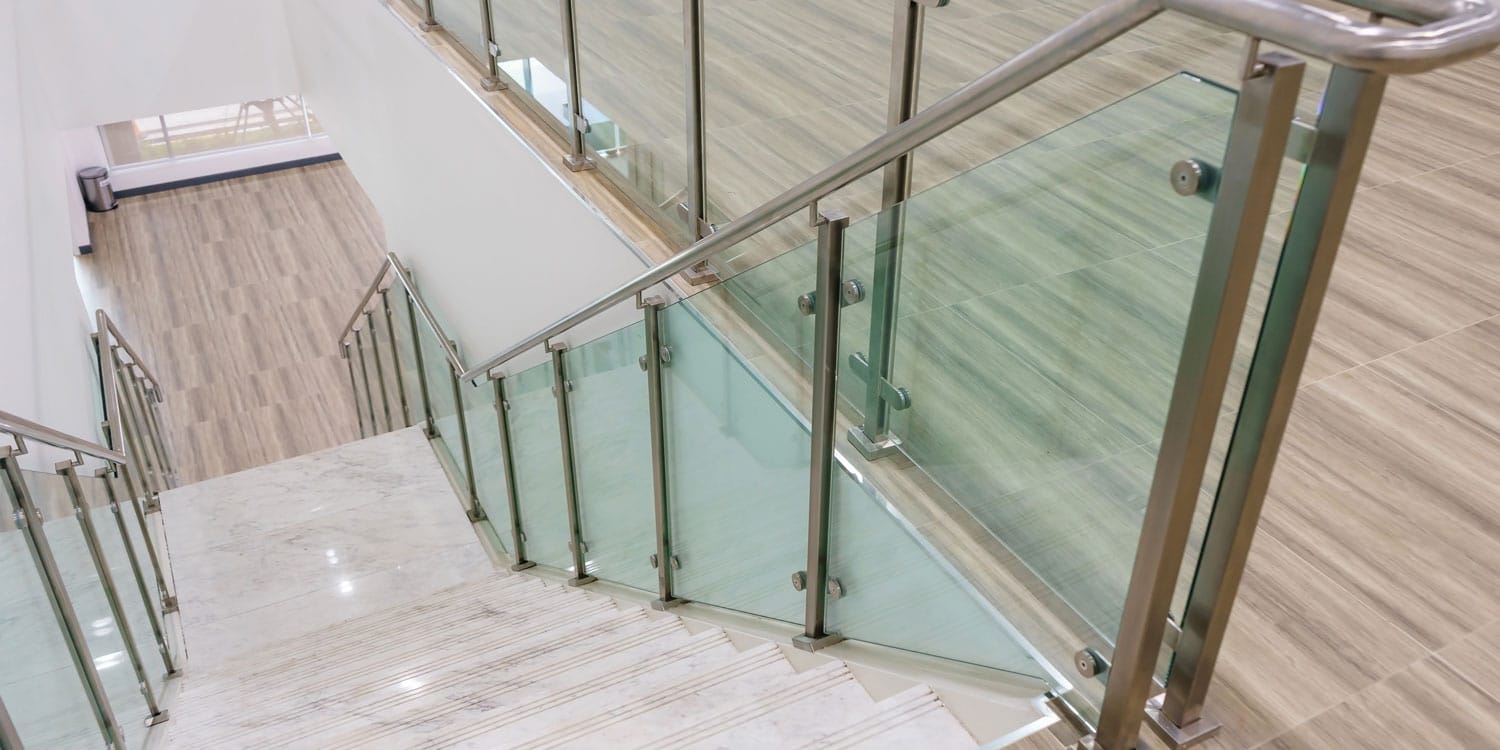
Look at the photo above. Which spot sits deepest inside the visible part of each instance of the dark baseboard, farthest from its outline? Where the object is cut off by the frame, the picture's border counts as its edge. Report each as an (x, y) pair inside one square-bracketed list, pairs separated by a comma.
[(220, 177), (86, 249)]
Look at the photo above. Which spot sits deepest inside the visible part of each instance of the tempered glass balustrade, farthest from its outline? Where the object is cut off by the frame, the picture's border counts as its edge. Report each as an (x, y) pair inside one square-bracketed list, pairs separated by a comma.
[(536, 446)]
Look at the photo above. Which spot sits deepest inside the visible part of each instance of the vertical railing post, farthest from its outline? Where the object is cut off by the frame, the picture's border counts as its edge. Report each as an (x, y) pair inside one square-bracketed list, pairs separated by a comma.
[(153, 484), (1345, 123), (416, 350), (697, 139), (385, 393), (69, 472), (475, 510), (512, 497), (1247, 184), (149, 438), (168, 600), (390, 329), (561, 388), (9, 737), (151, 397), (29, 520), (825, 369), (429, 20), (364, 376), (492, 80), (653, 361), (157, 630), (873, 438), (578, 125), (359, 414)]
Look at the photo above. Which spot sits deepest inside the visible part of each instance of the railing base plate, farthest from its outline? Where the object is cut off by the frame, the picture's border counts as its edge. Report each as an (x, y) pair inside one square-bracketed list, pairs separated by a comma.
[(523, 565), (584, 581), (662, 605), (809, 643), (1175, 736), (160, 718), (873, 449)]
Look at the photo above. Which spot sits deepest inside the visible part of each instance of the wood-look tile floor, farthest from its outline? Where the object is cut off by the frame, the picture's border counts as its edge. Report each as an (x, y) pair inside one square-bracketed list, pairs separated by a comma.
[(234, 293)]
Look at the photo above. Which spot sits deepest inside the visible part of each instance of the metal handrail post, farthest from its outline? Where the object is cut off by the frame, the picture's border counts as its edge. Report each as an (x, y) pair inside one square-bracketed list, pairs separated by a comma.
[(385, 393), (1345, 124), (359, 414), (512, 496), (390, 329), (157, 630), (475, 511), (151, 434), (697, 135), (69, 472), (130, 424), (364, 376), (561, 389), (151, 398), (825, 368), (416, 349), (29, 520), (1252, 162), (429, 22), (168, 600), (577, 159), (10, 739), (652, 362), (492, 80)]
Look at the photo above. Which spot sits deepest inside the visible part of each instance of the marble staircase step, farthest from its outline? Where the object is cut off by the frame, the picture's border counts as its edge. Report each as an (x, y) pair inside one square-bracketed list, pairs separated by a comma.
[(780, 715), (912, 718)]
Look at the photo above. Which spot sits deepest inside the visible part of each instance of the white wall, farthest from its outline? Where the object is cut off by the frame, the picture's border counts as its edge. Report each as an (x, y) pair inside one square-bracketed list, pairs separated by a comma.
[(499, 243), (46, 373)]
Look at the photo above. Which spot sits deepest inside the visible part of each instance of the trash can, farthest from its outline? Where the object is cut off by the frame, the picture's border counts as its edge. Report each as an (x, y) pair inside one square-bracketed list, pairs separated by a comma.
[(97, 194)]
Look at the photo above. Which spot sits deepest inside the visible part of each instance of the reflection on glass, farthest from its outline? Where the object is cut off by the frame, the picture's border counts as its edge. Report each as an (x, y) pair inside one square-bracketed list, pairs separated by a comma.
[(612, 448), (537, 453), (463, 19), (441, 397)]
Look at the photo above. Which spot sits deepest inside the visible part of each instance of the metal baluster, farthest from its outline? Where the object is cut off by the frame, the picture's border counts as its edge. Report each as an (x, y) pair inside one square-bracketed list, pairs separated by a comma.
[(697, 136), (151, 436), (1252, 163), (825, 369), (492, 80), (359, 414), (430, 22), (512, 498), (364, 376), (10, 739), (385, 393), (390, 329), (29, 520), (154, 398), (69, 472), (578, 159), (168, 601), (157, 630), (873, 438), (475, 511), (665, 561), (133, 436), (561, 387), (1312, 241), (416, 350)]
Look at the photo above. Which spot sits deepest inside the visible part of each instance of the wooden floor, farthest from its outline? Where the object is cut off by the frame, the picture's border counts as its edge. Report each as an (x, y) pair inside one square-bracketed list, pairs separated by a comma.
[(234, 293), (1370, 610)]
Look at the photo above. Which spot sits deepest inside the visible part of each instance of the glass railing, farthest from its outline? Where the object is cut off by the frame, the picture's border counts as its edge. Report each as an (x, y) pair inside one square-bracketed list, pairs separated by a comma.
[(87, 647)]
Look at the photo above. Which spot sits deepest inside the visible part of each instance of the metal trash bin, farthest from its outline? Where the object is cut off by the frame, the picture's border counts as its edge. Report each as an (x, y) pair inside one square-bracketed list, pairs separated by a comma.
[(97, 193)]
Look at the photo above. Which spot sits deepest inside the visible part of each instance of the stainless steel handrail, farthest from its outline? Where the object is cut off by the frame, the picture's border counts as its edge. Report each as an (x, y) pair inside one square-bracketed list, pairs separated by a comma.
[(392, 264), (135, 359), (1453, 30), (46, 435)]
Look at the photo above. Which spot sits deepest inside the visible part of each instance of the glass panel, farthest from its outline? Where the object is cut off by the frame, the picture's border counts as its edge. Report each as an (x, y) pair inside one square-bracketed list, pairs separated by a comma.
[(463, 20), (86, 591), (529, 34), (440, 393), (1055, 281), (134, 518), (612, 447), (40, 685), (489, 463), (631, 62), (382, 374), (898, 591), (791, 87), (406, 352), (126, 585), (737, 466), (536, 447)]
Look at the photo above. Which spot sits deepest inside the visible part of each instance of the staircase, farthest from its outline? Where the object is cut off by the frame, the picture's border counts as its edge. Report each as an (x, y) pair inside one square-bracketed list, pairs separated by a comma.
[(284, 651)]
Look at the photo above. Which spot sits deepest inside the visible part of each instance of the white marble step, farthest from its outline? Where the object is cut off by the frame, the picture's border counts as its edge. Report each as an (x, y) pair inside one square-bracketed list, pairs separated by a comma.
[(780, 716), (912, 718)]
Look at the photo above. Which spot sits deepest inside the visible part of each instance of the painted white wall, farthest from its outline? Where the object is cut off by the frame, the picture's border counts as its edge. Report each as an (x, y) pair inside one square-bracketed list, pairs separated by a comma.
[(499, 243), (46, 372), (110, 61)]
